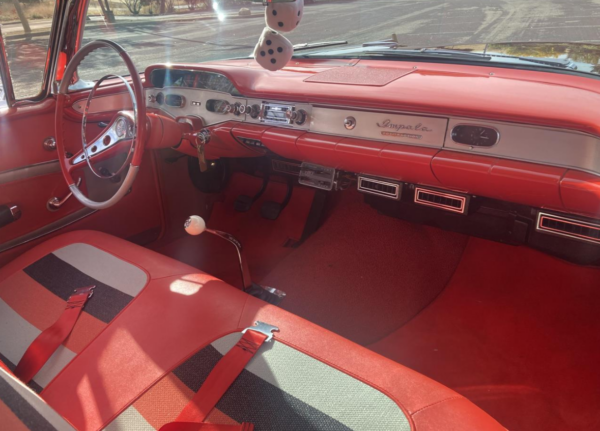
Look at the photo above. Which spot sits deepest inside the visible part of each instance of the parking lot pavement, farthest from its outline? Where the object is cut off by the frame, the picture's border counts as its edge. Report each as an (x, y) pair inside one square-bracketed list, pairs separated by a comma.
[(415, 22)]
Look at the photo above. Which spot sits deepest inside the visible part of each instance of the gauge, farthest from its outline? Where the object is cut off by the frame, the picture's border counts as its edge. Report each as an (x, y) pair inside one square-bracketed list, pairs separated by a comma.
[(174, 100), (218, 106), (121, 127), (475, 136)]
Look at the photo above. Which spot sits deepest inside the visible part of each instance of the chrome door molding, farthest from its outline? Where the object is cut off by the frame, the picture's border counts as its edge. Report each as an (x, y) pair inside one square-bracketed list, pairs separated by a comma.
[(30, 171), (48, 229)]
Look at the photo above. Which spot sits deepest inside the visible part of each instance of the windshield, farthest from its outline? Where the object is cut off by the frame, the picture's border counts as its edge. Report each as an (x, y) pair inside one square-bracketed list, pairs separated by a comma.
[(193, 31), (196, 30)]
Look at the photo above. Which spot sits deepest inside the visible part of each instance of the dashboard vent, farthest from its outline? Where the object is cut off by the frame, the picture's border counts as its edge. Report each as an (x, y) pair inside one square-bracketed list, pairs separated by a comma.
[(285, 167), (385, 189), (568, 227), (442, 200)]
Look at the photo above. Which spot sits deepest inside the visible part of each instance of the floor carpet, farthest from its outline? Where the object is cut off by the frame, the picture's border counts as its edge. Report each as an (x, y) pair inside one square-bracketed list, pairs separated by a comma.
[(515, 331), (512, 329), (362, 274), (263, 240)]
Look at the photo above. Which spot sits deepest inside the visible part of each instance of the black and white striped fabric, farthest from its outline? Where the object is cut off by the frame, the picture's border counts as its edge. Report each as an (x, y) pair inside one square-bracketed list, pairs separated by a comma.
[(280, 389), (32, 299), (21, 409)]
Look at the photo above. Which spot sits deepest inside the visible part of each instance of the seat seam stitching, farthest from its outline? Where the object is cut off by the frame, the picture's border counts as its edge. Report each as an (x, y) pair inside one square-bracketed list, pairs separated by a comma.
[(454, 397)]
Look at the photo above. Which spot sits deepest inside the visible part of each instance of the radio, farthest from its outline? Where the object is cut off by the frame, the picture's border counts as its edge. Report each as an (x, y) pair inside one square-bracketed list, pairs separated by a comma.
[(282, 114)]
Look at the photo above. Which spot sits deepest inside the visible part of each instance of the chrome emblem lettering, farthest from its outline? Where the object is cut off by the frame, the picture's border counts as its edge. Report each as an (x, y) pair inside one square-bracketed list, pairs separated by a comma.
[(402, 129)]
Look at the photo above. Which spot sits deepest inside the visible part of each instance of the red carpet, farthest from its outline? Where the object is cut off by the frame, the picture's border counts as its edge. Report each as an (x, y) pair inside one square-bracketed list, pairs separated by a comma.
[(517, 332), (514, 330), (362, 274), (263, 239)]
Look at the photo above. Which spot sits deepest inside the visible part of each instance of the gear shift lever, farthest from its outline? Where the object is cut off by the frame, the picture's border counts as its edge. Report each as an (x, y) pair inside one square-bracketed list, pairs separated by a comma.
[(195, 225)]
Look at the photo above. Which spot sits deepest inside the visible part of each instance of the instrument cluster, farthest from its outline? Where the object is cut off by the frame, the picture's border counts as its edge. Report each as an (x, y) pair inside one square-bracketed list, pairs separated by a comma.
[(162, 78)]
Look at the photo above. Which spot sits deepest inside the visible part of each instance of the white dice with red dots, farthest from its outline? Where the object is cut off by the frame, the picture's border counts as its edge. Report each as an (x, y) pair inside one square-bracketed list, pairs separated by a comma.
[(284, 17), (273, 50)]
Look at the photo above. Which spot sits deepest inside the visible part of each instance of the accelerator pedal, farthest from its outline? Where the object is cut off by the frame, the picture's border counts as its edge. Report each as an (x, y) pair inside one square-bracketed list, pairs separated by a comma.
[(271, 210), (243, 203)]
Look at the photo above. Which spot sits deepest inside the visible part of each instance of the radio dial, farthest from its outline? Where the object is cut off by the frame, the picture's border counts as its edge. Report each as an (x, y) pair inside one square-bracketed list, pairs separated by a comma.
[(253, 110), (236, 109), (298, 117)]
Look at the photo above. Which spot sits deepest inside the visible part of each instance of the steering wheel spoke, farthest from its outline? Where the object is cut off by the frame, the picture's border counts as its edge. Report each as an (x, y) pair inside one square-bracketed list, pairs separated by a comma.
[(122, 135), (116, 138)]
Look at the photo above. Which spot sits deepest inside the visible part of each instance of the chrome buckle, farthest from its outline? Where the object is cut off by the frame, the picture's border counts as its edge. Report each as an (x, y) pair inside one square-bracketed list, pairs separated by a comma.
[(263, 328), (82, 290)]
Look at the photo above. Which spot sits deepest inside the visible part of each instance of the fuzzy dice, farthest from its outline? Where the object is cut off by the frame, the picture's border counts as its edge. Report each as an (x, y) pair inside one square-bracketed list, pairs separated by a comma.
[(273, 50), (284, 17)]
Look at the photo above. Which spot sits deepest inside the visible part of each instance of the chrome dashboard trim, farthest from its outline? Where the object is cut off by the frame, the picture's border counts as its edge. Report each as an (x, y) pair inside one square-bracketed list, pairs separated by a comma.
[(412, 129), (197, 103), (520, 142), (535, 144)]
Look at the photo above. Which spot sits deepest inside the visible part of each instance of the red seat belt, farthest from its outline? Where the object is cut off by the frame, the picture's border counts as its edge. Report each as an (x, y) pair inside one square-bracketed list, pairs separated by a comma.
[(38, 352), (219, 380)]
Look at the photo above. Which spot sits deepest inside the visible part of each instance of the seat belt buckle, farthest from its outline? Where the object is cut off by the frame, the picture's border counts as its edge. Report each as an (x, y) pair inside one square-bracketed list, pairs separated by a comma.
[(263, 328), (73, 302), (82, 290)]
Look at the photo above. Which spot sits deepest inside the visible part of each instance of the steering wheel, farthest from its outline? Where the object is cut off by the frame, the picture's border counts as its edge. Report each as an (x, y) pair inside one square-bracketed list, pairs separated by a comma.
[(125, 132)]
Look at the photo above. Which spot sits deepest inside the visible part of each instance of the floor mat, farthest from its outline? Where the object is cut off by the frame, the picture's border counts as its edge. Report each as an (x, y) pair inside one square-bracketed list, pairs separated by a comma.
[(518, 333), (362, 274), (263, 239)]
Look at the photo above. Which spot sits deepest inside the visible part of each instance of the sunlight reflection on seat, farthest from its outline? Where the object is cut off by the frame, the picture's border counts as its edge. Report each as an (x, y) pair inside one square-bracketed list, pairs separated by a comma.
[(185, 286)]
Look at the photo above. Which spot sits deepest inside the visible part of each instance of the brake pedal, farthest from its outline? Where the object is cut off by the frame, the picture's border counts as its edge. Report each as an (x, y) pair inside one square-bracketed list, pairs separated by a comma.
[(243, 203), (271, 210)]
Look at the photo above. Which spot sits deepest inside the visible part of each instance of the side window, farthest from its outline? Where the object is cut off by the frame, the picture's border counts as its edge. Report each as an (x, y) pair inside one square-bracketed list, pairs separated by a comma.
[(25, 26)]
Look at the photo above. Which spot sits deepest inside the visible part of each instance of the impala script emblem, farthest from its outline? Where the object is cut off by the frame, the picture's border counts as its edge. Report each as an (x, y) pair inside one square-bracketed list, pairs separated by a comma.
[(400, 130)]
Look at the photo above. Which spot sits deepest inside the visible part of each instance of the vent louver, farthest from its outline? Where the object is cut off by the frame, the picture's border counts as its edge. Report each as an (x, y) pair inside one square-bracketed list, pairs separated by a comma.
[(381, 188), (441, 200), (568, 227), (285, 167)]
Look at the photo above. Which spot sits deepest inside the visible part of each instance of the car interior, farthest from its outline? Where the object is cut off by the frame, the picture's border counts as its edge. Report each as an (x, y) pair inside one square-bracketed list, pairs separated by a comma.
[(297, 243)]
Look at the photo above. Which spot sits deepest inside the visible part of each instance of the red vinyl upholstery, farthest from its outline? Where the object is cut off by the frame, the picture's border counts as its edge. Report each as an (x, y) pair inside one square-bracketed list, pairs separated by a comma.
[(131, 366)]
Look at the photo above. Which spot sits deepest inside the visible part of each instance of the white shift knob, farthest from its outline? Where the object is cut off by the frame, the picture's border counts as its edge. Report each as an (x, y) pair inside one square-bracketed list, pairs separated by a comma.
[(195, 225)]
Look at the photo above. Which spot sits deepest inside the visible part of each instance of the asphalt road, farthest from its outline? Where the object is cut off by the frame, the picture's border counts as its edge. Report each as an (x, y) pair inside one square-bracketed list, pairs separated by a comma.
[(416, 22)]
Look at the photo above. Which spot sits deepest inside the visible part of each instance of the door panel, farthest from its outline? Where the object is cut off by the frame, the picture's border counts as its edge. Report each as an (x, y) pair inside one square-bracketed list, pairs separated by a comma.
[(30, 176)]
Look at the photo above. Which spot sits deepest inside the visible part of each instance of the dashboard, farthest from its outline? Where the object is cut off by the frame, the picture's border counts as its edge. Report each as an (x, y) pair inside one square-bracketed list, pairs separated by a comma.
[(520, 138)]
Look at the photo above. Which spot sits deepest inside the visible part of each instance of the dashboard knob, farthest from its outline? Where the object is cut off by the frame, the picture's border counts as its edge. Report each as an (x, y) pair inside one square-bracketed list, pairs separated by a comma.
[(236, 108), (298, 117), (253, 110), (350, 123), (195, 225)]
